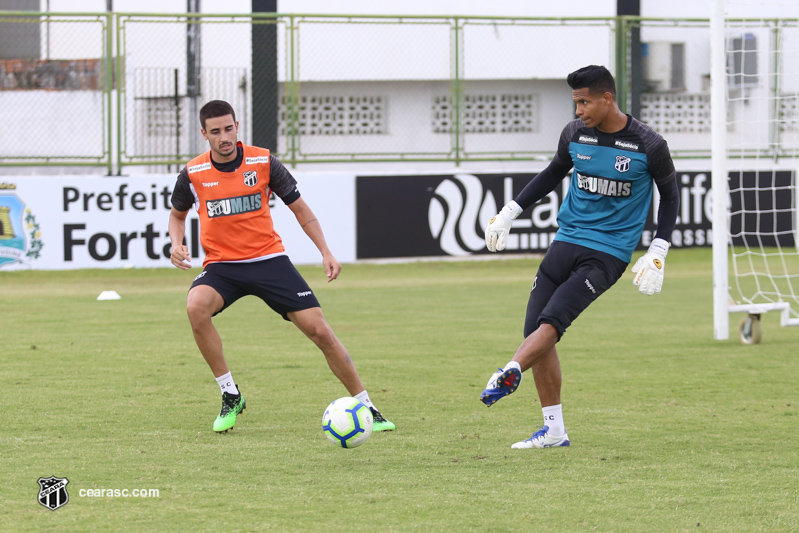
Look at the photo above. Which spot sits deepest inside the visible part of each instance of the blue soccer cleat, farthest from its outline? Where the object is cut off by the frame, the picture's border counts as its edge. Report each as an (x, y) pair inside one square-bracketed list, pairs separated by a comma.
[(543, 439), (502, 383)]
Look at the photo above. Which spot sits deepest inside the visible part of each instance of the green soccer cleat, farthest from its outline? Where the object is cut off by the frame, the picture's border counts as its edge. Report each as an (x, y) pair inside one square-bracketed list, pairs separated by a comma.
[(232, 405), (381, 424)]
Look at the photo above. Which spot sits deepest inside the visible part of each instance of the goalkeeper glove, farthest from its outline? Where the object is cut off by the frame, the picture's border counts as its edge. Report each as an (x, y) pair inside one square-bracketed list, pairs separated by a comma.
[(650, 266), (499, 228)]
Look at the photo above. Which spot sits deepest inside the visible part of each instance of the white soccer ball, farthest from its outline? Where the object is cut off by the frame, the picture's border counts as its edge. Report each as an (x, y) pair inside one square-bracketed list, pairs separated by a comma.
[(347, 422)]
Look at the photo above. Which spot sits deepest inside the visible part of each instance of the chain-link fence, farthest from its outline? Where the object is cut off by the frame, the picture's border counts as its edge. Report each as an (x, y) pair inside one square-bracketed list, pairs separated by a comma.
[(55, 78), (673, 84), (670, 84), (365, 88), (171, 66), (343, 88)]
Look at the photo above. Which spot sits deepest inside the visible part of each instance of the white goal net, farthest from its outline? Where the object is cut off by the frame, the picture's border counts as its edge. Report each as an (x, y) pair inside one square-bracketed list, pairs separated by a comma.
[(755, 106)]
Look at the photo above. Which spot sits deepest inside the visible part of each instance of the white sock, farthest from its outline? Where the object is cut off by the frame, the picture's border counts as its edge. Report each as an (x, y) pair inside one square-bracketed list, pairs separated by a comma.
[(363, 397), (553, 417), (226, 384), (513, 364)]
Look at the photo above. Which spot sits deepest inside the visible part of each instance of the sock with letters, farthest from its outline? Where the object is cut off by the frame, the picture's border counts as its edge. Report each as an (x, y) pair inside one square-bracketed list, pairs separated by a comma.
[(226, 384), (363, 397), (553, 417)]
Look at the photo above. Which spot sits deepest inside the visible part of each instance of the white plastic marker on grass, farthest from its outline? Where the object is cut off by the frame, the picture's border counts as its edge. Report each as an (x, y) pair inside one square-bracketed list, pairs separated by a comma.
[(109, 295)]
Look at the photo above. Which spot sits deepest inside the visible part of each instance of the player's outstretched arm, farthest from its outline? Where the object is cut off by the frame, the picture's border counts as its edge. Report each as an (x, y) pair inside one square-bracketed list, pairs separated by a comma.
[(545, 182), (313, 229), (650, 267), (177, 230)]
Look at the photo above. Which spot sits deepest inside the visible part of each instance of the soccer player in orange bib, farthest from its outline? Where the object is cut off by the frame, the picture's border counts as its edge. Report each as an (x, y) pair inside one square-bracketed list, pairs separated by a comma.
[(229, 186)]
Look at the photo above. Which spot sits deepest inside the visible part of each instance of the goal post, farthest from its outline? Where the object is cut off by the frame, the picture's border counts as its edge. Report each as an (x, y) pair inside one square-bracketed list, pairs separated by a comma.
[(718, 133), (755, 162)]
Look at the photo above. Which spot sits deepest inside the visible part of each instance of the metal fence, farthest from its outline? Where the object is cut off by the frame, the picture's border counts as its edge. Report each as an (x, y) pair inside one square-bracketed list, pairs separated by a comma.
[(116, 89), (55, 89)]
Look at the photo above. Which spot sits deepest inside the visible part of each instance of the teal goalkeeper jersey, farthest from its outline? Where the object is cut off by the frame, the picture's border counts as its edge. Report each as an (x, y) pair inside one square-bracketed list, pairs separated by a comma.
[(611, 186)]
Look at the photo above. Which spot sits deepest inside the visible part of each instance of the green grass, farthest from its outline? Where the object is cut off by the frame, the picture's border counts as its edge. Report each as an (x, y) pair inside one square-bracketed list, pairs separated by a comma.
[(671, 430)]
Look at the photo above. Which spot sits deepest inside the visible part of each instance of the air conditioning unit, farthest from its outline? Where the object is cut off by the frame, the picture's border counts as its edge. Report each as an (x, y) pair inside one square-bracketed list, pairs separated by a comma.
[(664, 65)]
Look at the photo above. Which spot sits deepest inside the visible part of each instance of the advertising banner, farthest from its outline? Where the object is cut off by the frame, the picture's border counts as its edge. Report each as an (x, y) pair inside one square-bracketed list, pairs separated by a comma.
[(55, 223), (446, 214), (762, 209)]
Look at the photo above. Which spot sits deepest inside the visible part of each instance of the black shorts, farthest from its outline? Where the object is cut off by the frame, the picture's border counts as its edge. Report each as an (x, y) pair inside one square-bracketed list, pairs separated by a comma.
[(569, 278), (275, 281)]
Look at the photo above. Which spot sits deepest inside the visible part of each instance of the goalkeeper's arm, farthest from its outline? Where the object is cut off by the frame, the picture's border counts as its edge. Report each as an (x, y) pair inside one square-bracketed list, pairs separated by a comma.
[(650, 268), (499, 228)]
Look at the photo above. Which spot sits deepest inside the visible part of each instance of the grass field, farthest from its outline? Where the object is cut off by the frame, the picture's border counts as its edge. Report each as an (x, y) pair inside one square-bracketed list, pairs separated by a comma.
[(670, 430)]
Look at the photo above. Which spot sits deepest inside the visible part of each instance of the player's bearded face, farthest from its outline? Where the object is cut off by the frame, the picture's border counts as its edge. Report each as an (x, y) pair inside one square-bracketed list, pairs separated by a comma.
[(222, 134)]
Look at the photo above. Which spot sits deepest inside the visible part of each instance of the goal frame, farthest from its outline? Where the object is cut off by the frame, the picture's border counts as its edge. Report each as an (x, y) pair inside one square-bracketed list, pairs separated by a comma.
[(723, 305)]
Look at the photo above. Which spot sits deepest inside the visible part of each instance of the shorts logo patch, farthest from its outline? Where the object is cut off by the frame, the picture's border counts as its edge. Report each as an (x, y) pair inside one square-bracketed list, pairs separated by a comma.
[(250, 178), (304, 293), (590, 286), (533, 287), (200, 275)]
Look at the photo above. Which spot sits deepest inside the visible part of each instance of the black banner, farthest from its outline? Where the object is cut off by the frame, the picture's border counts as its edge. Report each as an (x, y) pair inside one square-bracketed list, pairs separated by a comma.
[(446, 215), (418, 216), (695, 217), (762, 207)]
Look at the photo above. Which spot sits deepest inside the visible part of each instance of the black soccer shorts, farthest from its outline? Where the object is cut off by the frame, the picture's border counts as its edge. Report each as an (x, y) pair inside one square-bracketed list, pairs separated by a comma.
[(275, 281), (569, 278)]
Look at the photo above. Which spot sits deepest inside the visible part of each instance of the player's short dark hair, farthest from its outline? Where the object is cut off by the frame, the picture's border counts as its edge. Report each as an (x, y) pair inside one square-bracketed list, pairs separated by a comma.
[(214, 109), (595, 78)]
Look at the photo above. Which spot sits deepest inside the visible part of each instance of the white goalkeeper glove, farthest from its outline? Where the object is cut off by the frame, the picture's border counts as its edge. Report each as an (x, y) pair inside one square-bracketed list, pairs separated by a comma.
[(650, 266), (499, 228)]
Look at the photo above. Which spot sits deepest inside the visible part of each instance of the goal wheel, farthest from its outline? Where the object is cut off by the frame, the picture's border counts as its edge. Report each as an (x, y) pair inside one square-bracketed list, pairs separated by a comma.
[(749, 330)]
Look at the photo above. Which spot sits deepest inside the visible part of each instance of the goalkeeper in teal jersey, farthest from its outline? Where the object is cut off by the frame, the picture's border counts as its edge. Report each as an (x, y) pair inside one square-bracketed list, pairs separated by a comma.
[(617, 160)]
